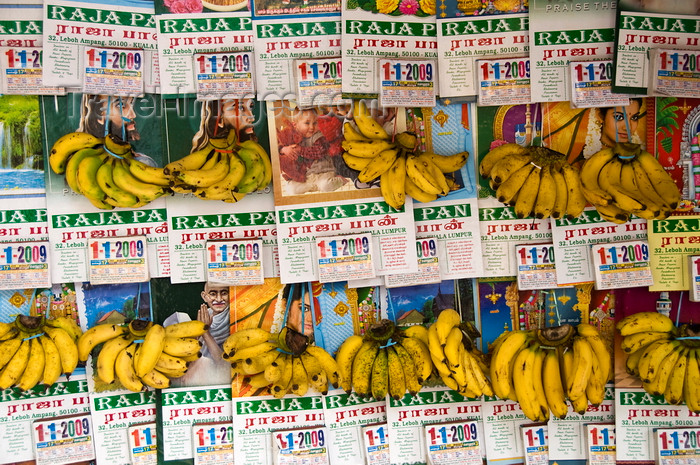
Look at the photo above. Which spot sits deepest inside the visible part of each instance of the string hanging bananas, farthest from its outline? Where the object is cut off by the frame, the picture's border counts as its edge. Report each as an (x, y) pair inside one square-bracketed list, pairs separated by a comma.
[(385, 361), (141, 353), (401, 168), (536, 181), (265, 360), (546, 370), (626, 180), (37, 351)]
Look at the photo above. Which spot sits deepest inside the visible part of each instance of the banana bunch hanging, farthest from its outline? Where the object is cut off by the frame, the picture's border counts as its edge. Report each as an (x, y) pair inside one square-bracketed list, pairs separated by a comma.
[(395, 161), (284, 362), (142, 353), (536, 181), (666, 358), (457, 360), (626, 180), (386, 360), (35, 350), (107, 172), (543, 369)]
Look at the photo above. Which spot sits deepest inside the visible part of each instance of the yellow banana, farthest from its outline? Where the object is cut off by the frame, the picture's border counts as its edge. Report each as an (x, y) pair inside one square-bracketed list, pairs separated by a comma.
[(367, 125), (645, 186), (253, 351), (380, 375), (673, 394), (362, 368), (191, 328), (636, 341), (407, 140), (632, 362), (181, 346), (67, 145), (538, 386), (124, 369), (436, 173), (192, 161), (274, 370), (447, 319), (663, 183), (448, 163), (300, 382), (595, 389), (106, 359), (206, 176), (354, 162), (602, 355), (367, 148), (552, 383), (279, 388), (612, 213), (52, 362), (393, 183), (561, 193), (344, 358), (416, 331), (8, 349), (581, 371), (546, 194), (643, 322), (156, 380), (151, 348), (508, 190), (172, 367), (257, 381), (148, 174), (34, 370), (421, 356), (497, 154), (575, 200), (243, 338), (397, 379), (523, 383), (258, 363), (13, 370), (453, 342), (500, 368), (527, 195)]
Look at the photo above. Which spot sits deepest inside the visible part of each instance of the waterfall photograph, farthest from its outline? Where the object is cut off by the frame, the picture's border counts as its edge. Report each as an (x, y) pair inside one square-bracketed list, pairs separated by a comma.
[(21, 159)]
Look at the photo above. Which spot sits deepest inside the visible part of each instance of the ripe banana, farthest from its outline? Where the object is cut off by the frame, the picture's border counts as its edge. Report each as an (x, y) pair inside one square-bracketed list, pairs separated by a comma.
[(115, 196), (191, 328), (34, 369), (69, 349), (344, 358), (67, 145), (362, 368), (397, 380), (124, 369), (245, 338), (553, 387), (266, 179), (93, 336), (380, 375), (106, 359), (527, 195), (151, 348), (366, 124), (496, 154), (327, 363), (644, 322), (52, 362), (148, 174), (145, 192), (546, 194), (448, 163), (378, 165)]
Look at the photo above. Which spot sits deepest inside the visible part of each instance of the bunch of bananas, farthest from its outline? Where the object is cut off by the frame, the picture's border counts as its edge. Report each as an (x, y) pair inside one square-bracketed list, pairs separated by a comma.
[(142, 352), (386, 360), (36, 350), (542, 369), (395, 161), (223, 170), (457, 360), (536, 181), (663, 356), (284, 362), (105, 171), (626, 180)]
